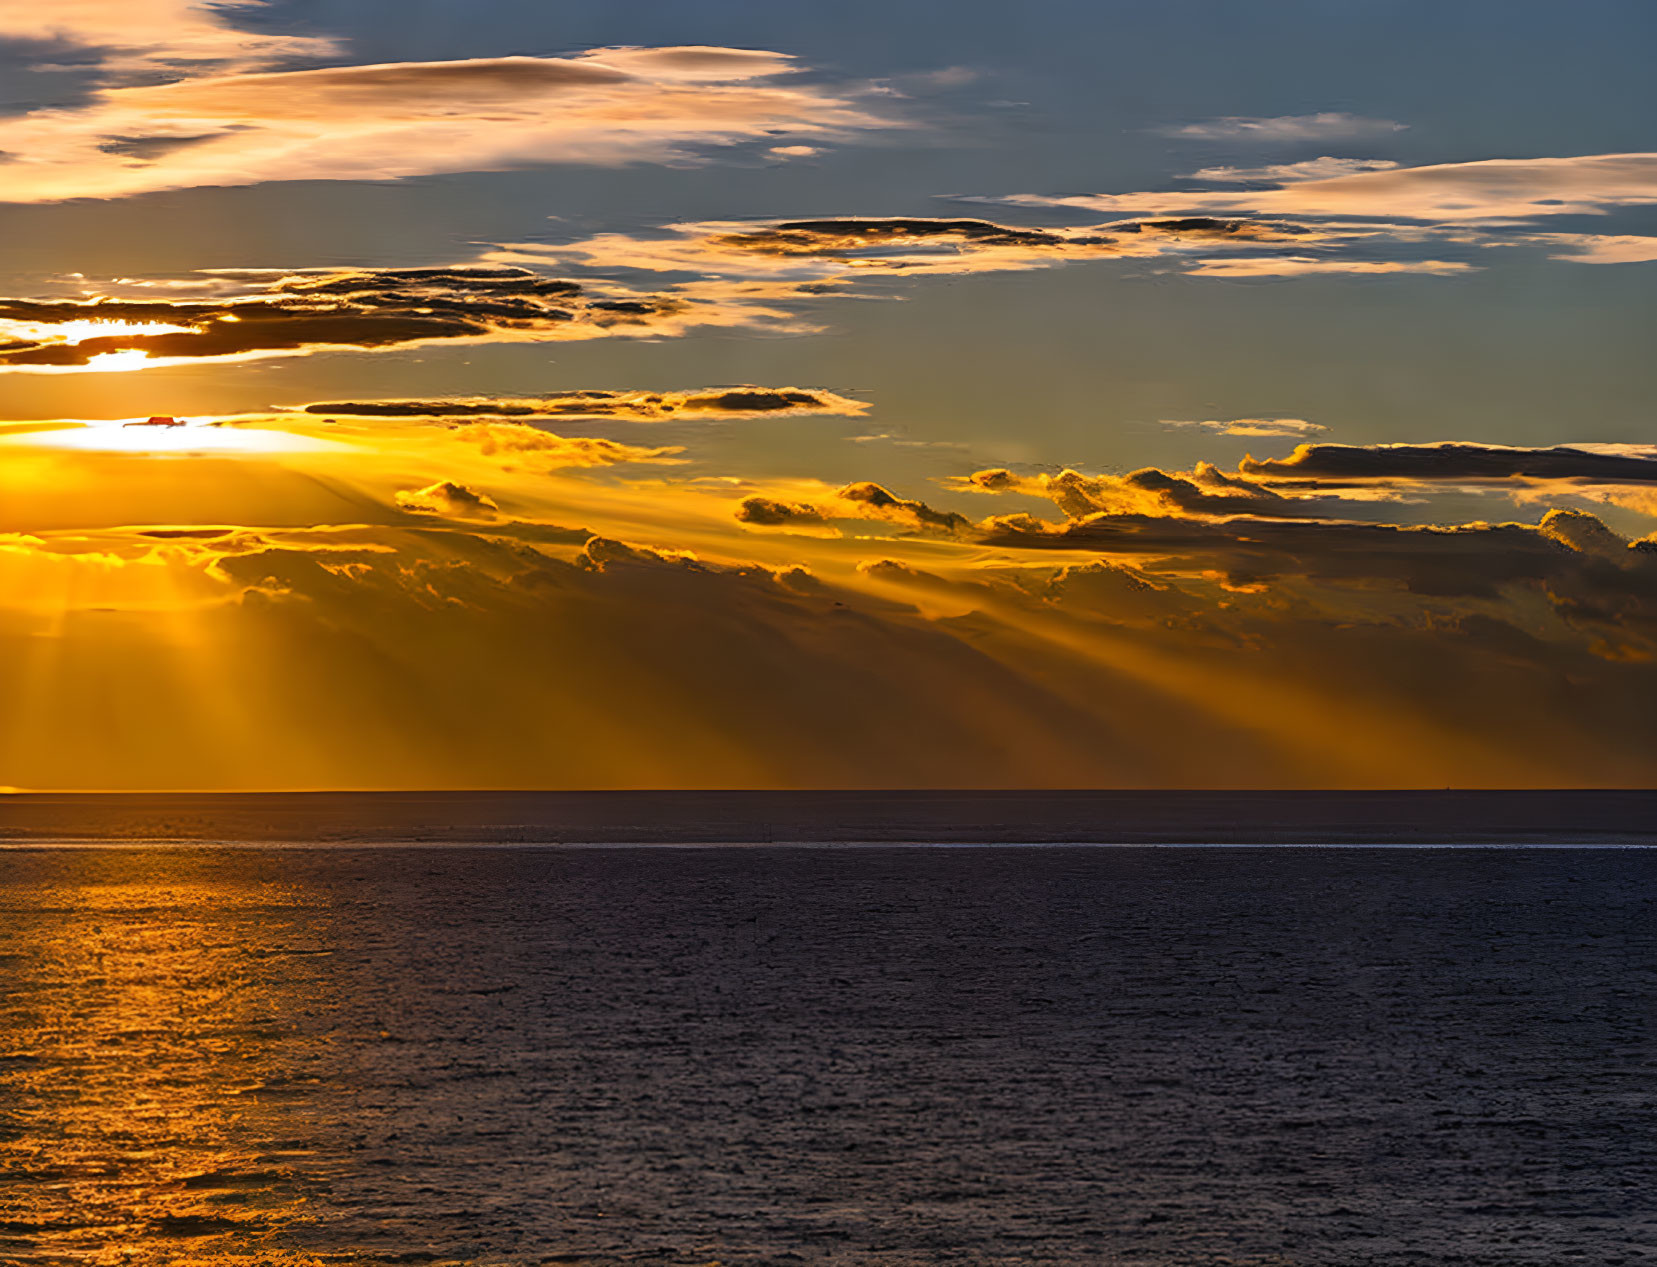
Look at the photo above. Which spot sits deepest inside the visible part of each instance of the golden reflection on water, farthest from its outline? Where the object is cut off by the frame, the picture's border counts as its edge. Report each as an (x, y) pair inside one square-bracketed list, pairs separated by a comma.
[(149, 1102)]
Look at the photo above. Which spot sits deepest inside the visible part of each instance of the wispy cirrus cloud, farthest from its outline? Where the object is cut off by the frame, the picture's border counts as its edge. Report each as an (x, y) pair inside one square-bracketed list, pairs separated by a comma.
[(1454, 193), (1324, 168), (1597, 248), (1260, 427), (606, 107), (1309, 265), (152, 37), (1326, 125)]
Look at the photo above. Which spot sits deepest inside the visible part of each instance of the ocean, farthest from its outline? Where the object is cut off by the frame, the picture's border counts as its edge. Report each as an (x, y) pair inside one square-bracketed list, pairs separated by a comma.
[(525, 1054)]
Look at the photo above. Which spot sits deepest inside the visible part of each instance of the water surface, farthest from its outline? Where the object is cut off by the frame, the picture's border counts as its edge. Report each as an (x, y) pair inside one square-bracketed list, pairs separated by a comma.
[(884, 1055)]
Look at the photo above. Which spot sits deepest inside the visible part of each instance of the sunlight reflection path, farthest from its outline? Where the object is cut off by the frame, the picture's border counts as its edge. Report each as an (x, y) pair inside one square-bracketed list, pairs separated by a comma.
[(148, 1068)]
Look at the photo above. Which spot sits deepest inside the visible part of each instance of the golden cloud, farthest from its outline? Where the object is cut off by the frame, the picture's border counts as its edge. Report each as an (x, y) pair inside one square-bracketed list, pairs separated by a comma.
[(447, 498)]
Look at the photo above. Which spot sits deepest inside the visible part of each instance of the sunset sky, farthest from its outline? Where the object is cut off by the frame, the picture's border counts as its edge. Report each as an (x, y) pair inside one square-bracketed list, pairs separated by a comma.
[(738, 394)]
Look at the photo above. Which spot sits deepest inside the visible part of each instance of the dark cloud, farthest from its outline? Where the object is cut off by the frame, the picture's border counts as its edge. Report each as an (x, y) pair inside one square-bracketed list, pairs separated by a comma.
[(1468, 559), (631, 406), (767, 512), (859, 237), (814, 237), (342, 308), (1332, 465), (862, 500), (875, 502)]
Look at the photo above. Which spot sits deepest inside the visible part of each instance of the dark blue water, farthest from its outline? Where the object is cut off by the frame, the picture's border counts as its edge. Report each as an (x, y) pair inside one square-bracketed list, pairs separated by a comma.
[(1065, 1055)]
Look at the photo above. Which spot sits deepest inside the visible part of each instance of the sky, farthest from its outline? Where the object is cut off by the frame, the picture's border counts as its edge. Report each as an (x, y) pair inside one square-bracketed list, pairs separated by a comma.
[(521, 393)]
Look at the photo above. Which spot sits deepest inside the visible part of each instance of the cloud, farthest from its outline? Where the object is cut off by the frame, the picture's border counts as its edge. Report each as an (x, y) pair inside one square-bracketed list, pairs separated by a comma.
[(1262, 427), (1204, 491), (628, 406), (1307, 265), (609, 106), (1392, 216), (447, 498), (434, 646), (846, 249), (1598, 248), (1454, 193), (623, 664), (903, 442), (1328, 216), (1284, 173), (1337, 481), (251, 314), (1285, 128), (519, 443), (861, 500), (875, 502), (1468, 559), (768, 512), (794, 262)]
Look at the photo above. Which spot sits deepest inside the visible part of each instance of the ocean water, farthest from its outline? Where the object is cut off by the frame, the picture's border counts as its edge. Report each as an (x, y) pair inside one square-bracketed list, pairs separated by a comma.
[(820, 1055)]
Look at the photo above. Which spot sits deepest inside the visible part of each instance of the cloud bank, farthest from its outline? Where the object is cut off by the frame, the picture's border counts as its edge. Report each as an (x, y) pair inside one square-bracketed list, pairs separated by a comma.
[(478, 602)]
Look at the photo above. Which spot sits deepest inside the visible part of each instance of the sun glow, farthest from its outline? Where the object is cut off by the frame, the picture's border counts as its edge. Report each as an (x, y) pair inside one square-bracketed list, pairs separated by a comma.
[(90, 331), (90, 328), (140, 435), (116, 362)]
